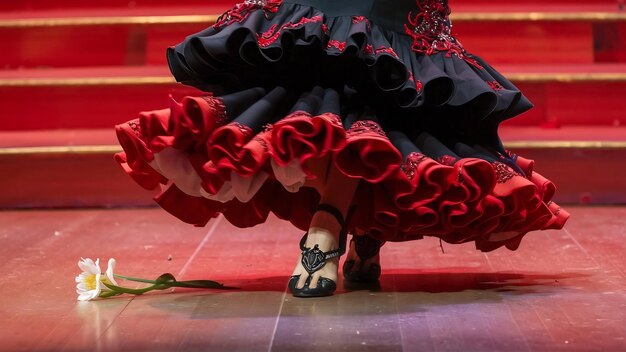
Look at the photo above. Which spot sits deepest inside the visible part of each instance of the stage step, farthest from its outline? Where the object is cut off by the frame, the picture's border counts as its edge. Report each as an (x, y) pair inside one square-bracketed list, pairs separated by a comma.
[(138, 36), (75, 168), (102, 97)]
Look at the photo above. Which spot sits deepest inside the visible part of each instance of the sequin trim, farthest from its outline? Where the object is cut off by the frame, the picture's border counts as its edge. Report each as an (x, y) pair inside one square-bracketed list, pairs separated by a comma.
[(409, 167), (366, 126)]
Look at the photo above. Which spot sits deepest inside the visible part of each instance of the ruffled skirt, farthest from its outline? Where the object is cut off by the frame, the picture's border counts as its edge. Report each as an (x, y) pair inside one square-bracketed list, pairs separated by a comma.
[(291, 90)]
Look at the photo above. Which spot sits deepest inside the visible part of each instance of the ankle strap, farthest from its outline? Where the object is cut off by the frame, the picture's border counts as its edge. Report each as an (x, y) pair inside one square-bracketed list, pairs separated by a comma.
[(343, 234), (334, 212)]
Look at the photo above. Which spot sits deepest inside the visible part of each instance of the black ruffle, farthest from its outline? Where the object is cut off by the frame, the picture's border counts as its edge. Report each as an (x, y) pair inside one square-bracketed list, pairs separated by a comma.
[(300, 46)]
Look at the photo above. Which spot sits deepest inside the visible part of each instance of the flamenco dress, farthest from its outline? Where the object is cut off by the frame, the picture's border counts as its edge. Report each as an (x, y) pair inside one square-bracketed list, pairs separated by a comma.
[(380, 89)]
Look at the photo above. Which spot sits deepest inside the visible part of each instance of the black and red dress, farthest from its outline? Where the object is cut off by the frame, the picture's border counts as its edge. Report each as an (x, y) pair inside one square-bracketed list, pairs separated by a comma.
[(380, 88)]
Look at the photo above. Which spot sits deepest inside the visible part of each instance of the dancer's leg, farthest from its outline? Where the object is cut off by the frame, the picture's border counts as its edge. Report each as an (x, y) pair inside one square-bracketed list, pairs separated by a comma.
[(336, 190)]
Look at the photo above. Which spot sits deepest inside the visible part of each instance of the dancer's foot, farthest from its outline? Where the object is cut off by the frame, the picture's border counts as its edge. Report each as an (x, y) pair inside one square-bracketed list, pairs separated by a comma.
[(363, 260), (315, 274)]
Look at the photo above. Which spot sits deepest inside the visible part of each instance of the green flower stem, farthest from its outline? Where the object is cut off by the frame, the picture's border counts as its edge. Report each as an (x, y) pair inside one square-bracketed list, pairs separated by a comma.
[(140, 291), (110, 294), (163, 282), (170, 280), (134, 279)]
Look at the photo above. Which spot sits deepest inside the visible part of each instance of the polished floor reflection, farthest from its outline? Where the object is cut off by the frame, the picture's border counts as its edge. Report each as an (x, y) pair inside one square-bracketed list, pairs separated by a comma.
[(562, 290)]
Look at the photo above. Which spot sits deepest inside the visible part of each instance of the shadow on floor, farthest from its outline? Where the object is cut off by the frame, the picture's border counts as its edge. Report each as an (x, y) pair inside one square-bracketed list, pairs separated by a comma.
[(399, 291)]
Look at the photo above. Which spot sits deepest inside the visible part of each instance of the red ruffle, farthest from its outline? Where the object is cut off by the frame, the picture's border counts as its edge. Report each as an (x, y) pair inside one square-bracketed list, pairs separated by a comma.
[(457, 200), (368, 153), (134, 160), (300, 136)]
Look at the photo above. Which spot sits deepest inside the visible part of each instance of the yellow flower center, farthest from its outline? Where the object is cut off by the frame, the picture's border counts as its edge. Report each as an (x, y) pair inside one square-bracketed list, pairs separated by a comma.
[(90, 282)]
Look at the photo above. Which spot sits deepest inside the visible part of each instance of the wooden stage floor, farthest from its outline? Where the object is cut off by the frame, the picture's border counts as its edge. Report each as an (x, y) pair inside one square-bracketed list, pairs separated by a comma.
[(561, 291)]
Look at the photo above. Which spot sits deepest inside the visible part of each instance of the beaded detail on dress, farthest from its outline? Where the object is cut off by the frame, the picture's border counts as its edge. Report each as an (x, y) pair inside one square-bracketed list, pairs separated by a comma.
[(504, 172), (366, 126), (409, 167), (242, 10), (431, 30)]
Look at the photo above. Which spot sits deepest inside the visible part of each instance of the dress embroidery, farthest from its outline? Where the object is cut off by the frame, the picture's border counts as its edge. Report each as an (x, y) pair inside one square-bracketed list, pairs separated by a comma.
[(409, 167), (242, 10), (431, 30), (333, 118), (368, 50), (418, 84), (217, 105), (245, 130), (134, 126), (341, 46), (503, 172), (389, 51), (447, 160), (495, 85), (359, 19), (365, 126), (273, 34)]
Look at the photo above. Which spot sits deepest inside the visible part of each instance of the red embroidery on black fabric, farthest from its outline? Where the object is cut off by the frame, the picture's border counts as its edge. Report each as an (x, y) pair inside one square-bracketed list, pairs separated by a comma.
[(368, 50), (431, 30), (389, 51), (409, 167), (242, 10), (341, 46), (503, 172), (217, 105), (366, 126), (272, 34), (357, 19), (495, 85), (447, 160), (418, 84)]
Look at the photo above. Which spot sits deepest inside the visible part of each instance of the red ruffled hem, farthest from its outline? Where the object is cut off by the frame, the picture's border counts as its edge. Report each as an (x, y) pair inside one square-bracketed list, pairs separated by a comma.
[(457, 200)]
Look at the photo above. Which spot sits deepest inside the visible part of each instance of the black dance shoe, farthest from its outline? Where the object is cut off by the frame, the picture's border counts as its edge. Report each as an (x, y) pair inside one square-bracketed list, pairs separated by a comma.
[(313, 259), (366, 247)]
